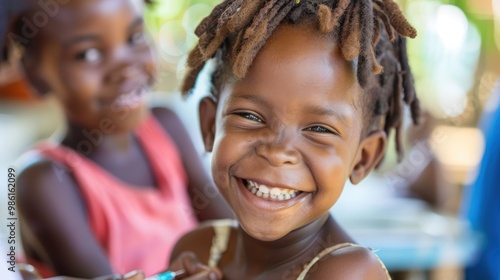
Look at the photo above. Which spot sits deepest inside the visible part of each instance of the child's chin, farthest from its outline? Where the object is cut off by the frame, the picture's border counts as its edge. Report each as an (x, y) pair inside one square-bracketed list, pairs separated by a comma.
[(266, 234), (130, 120)]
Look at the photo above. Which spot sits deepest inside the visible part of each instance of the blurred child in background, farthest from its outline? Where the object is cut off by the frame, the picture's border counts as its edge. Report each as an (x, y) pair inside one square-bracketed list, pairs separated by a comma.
[(125, 181)]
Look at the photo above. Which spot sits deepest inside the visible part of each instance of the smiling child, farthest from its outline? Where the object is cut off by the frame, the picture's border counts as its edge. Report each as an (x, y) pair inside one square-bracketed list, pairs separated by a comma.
[(304, 95)]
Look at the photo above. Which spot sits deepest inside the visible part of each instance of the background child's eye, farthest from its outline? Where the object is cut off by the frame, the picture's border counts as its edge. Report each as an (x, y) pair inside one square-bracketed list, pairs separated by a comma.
[(319, 129), (249, 116), (137, 38), (89, 55)]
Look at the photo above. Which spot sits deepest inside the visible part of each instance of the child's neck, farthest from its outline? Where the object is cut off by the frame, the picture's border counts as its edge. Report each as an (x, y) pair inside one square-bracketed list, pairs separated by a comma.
[(259, 256), (94, 143), (120, 154)]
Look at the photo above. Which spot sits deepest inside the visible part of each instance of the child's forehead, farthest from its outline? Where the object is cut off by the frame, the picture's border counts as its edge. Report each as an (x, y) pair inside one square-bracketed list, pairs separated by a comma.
[(301, 41), (301, 56), (65, 17), (54, 9)]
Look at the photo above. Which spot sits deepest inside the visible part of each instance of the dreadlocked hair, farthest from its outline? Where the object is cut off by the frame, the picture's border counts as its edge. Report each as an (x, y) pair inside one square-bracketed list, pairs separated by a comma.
[(369, 32)]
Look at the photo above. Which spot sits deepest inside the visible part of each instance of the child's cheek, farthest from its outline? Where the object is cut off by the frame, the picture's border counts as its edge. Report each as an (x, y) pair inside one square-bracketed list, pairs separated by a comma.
[(230, 148)]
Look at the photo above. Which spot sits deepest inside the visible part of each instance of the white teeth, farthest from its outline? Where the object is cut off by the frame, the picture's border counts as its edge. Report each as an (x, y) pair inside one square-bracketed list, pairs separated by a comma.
[(275, 191), (130, 98), (263, 189), (266, 192)]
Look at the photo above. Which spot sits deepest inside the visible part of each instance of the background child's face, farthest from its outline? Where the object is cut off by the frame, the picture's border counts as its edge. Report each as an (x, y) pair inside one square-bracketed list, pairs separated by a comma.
[(93, 55), (293, 123)]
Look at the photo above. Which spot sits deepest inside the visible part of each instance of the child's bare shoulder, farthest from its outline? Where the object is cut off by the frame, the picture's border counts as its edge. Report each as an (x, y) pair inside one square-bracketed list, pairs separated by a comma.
[(200, 236), (38, 175), (350, 262), (199, 240), (41, 185), (48, 195)]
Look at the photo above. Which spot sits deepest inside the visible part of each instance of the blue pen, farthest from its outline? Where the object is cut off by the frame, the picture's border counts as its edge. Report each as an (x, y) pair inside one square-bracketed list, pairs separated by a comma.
[(167, 275)]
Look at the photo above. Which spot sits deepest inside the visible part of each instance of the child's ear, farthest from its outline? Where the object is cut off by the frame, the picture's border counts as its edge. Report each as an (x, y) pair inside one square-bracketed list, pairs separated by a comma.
[(208, 111), (370, 153), (33, 76)]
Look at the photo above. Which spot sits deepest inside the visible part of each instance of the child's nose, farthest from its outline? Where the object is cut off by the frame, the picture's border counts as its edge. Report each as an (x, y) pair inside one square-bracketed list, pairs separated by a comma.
[(278, 153), (122, 73), (125, 65)]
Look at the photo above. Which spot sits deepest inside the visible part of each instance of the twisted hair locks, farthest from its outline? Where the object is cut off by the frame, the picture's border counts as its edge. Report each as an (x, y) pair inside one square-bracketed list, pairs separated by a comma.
[(369, 32)]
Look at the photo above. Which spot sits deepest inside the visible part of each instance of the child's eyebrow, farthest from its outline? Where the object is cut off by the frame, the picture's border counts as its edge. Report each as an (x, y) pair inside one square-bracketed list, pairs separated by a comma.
[(80, 39), (137, 22), (251, 98), (324, 111)]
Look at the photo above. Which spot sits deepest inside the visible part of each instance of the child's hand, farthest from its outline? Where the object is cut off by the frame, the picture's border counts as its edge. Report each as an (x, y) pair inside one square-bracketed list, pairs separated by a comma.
[(28, 272), (194, 268)]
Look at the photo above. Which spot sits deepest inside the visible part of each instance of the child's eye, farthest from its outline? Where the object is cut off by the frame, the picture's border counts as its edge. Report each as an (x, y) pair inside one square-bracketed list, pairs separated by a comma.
[(319, 129), (90, 55), (136, 38), (249, 116)]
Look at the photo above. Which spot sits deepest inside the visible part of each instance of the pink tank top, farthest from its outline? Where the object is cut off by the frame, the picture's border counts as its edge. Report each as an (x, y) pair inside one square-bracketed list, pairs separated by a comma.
[(136, 227)]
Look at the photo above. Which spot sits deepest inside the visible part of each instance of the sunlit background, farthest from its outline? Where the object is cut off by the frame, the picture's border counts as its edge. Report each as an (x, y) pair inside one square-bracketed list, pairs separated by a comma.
[(414, 224)]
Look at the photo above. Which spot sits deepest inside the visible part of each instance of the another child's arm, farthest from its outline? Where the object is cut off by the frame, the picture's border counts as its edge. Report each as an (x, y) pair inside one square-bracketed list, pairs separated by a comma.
[(191, 254), (134, 275), (27, 272), (198, 241), (207, 202), (55, 224), (350, 263)]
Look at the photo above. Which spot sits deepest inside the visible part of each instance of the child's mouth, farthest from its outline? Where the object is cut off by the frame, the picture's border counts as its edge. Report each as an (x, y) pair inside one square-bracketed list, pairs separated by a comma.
[(131, 99), (270, 193)]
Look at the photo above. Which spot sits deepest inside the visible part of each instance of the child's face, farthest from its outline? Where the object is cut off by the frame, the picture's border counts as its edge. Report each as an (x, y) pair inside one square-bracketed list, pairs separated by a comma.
[(292, 124), (93, 56)]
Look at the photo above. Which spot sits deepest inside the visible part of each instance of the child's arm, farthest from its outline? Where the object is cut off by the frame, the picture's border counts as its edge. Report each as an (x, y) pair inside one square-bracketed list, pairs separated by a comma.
[(350, 263), (198, 241), (207, 202), (29, 273), (55, 225)]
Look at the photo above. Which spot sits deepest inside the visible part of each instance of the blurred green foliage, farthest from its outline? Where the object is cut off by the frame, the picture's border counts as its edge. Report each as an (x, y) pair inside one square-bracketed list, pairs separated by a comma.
[(162, 10)]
